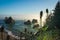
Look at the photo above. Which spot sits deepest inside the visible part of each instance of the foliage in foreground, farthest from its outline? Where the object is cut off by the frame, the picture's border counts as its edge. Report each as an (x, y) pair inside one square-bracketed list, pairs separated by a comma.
[(49, 34), (51, 30)]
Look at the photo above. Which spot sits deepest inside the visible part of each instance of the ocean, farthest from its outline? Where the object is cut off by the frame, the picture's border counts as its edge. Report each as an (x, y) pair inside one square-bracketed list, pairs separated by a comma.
[(18, 27)]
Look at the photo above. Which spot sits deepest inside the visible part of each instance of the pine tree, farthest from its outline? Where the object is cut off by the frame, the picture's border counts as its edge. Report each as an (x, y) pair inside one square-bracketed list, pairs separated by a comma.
[(47, 11), (41, 14), (56, 18), (54, 21)]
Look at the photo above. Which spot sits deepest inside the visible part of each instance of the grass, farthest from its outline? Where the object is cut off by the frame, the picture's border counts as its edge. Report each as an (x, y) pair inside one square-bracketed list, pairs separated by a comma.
[(49, 34)]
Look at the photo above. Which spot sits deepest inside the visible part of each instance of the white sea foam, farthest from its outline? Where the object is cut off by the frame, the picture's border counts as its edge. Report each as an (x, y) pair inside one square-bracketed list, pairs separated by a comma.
[(11, 34)]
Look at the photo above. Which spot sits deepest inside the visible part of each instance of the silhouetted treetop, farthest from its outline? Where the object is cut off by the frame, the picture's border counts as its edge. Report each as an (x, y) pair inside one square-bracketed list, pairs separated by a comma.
[(41, 13), (57, 5), (47, 11), (53, 20), (57, 15)]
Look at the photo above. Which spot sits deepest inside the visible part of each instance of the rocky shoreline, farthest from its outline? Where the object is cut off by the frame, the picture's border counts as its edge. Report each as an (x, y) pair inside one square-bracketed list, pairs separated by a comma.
[(6, 33)]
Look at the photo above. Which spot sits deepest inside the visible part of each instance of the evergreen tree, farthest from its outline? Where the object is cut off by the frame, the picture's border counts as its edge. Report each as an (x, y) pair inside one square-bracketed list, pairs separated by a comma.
[(47, 12), (56, 18), (53, 20), (41, 14)]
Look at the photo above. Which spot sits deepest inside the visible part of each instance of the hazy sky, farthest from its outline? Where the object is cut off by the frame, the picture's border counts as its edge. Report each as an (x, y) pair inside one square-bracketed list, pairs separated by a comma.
[(25, 8)]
